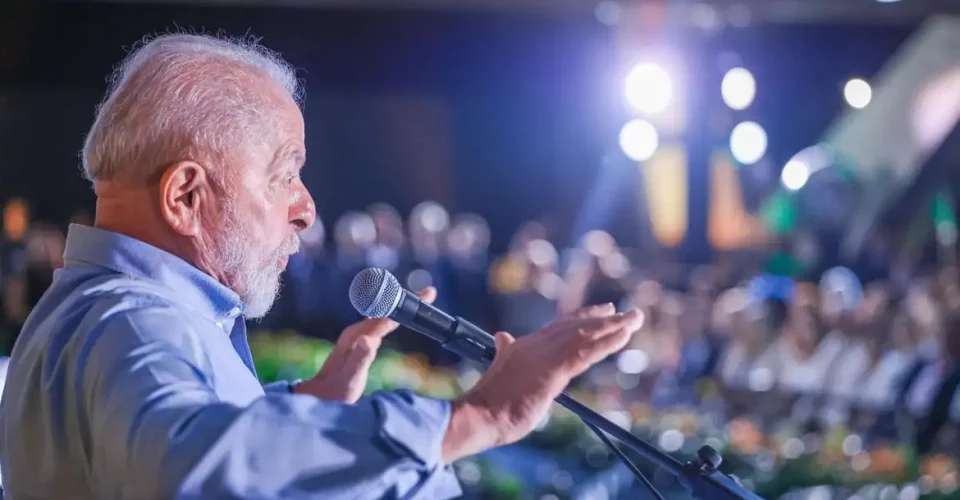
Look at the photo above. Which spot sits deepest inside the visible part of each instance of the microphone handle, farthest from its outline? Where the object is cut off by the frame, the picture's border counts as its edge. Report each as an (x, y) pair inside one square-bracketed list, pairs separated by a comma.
[(454, 334), (423, 318)]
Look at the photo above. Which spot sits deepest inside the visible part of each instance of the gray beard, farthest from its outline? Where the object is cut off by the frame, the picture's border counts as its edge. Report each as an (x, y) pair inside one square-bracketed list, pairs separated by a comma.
[(241, 260)]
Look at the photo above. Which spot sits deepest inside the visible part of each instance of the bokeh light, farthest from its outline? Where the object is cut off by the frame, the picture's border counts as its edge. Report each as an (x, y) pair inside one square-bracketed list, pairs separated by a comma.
[(738, 88), (599, 243), (858, 93), (16, 219), (670, 440), (798, 170), (313, 236), (633, 361), (430, 216), (649, 88), (748, 142), (639, 140), (794, 175), (608, 12)]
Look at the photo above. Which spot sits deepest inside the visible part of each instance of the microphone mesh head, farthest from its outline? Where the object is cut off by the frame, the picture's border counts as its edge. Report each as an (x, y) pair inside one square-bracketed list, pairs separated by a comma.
[(375, 293)]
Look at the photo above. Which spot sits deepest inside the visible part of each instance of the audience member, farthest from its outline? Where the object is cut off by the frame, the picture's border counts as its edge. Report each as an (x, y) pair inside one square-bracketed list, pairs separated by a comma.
[(929, 393)]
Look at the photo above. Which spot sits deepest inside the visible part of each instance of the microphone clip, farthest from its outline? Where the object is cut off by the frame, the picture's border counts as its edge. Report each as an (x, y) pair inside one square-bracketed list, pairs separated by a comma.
[(471, 342)]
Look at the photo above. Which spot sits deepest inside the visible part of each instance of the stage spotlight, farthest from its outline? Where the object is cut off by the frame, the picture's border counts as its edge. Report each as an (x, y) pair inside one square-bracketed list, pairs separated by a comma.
[(639, 140), (858, 93), (738, 88), (794, 175), (748, 142), (649, 88)]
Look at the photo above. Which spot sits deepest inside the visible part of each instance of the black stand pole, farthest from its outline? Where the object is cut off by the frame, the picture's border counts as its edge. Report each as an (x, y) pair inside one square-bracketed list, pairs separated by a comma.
[(702, 477)]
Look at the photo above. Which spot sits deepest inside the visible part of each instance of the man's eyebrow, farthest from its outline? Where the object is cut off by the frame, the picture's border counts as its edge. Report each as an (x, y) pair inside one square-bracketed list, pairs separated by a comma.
[(292, 154), (298, 158)]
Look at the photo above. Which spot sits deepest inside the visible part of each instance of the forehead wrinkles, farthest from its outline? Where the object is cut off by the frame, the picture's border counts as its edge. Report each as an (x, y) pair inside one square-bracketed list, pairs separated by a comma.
[(288, 156)]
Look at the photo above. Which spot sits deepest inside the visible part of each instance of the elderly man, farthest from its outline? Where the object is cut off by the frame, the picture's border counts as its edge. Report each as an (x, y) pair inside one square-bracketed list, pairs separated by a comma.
[(133, 378)]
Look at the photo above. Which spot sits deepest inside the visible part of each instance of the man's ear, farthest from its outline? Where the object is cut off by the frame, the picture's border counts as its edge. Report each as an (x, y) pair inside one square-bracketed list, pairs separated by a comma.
[(184, 193)]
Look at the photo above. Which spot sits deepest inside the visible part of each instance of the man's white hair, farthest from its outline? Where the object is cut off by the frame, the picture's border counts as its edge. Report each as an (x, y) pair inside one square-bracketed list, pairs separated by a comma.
[(182, 97)]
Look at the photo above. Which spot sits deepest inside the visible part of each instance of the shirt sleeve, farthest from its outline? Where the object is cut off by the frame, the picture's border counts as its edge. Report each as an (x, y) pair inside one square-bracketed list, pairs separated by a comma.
[(280, 386), (156, 429)]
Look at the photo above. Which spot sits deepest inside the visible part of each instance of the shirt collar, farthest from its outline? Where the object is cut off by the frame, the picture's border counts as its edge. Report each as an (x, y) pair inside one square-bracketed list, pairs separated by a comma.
[(88, 245)]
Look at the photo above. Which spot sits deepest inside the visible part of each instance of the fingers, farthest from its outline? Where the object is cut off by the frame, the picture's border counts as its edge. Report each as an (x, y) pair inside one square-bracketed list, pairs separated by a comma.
[(603, 325), (374, 327), (503, 339), (635, 320), (428, 294), (597, 311), (597, 338), (608, 345)]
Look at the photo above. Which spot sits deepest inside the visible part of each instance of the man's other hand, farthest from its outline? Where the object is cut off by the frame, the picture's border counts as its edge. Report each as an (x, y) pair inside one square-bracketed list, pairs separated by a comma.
[(528, 373), (343, 376)]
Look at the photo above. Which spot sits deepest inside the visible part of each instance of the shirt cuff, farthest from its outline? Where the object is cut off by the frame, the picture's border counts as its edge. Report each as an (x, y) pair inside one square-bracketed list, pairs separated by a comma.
[(281, 386), (413, 425)]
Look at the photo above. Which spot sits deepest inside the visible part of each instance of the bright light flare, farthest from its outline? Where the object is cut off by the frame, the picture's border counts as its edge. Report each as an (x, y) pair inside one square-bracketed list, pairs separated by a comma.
[(798, 170), (639, 140), (795, 175), (748, 142), (858, 93), (649, 88), (738, 88)]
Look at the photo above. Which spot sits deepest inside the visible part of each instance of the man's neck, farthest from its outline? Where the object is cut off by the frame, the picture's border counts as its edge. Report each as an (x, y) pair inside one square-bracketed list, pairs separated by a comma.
[(132, 211)]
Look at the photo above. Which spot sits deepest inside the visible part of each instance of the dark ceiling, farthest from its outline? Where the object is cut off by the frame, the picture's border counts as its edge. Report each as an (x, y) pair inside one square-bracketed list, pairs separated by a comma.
[(776, 11)]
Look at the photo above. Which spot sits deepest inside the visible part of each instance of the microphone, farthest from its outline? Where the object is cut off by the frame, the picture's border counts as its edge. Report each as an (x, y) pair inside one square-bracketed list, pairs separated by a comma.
[(376, 293)]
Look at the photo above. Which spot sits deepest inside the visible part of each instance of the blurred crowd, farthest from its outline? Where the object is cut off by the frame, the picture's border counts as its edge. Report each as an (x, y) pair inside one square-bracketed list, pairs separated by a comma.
[(881, 359)]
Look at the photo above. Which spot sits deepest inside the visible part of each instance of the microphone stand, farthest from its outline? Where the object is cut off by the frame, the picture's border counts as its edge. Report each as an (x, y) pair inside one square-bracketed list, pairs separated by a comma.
[(701, 477)]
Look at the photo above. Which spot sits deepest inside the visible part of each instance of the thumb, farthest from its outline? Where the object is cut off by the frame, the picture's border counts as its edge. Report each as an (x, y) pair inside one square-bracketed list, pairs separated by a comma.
[(371, 327), (428, 294), (503, 340)]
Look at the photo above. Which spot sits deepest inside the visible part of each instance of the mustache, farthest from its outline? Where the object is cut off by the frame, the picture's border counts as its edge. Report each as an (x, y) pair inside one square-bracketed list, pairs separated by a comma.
[(291, 246)]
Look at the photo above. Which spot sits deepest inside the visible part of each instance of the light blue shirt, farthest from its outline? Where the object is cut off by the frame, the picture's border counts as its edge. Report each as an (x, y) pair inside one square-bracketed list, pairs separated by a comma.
[(132, 378)]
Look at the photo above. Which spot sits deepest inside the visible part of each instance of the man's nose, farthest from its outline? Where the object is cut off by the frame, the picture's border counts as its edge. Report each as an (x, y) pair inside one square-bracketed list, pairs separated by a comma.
[(303, 212)]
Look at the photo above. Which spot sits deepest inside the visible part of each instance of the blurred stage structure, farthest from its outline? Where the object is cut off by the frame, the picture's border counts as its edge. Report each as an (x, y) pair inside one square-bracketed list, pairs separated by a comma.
[(886, 162)]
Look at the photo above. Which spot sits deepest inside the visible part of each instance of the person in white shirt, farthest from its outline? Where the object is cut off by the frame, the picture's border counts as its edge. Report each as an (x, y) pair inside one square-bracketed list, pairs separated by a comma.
[(869, 368), (864, 331), (879, 387), (802, 356), (740, 365)]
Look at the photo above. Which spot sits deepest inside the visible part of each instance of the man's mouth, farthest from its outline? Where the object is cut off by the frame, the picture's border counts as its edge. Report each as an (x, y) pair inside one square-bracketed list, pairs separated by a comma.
[(292, 248)]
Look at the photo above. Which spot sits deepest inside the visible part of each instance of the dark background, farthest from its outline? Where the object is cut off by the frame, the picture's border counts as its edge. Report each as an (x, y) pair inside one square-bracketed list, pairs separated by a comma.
[(503, 113)]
